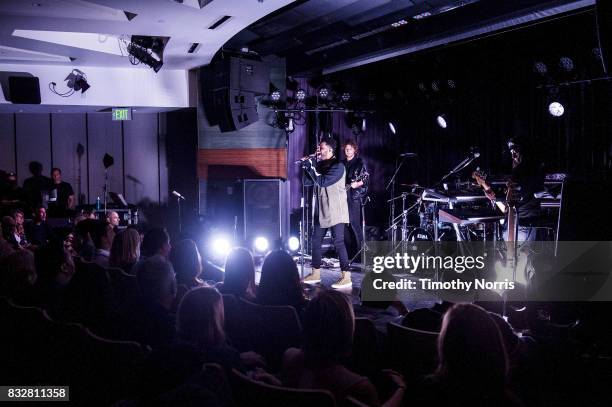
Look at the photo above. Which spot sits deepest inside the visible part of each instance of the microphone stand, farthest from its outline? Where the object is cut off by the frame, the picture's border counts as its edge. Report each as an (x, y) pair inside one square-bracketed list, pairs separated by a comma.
[(392, 184), (178, 202)]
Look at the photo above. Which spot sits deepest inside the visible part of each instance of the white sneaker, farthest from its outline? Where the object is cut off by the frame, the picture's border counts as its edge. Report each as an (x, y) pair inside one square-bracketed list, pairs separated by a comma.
[(344, 281)]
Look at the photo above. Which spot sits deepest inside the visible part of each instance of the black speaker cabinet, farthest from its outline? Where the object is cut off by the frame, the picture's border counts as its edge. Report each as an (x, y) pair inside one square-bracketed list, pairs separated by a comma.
[(234, 108), (244, 74), (266, 209), (24, 90)]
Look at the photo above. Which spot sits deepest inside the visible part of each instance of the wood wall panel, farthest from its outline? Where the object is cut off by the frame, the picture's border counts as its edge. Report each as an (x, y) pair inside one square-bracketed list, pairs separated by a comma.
[(265, 162)]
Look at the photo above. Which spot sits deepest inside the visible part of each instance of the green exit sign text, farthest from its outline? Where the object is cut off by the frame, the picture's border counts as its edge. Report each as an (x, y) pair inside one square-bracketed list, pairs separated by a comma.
[(122, 113)]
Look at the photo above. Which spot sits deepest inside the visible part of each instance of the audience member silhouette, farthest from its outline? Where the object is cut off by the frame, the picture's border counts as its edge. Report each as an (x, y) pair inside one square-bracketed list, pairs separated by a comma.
[(239, 277)]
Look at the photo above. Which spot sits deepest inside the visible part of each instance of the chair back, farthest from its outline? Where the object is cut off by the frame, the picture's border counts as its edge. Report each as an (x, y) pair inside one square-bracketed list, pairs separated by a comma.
[(413, 352), (249, 392), (234, 323), (367, 345), (271, 329)]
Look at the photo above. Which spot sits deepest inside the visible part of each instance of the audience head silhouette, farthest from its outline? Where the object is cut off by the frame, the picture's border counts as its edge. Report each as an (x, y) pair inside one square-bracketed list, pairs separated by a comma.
[(187, 263), (280, 281), (239, 278), (156, 241), (200, 318)]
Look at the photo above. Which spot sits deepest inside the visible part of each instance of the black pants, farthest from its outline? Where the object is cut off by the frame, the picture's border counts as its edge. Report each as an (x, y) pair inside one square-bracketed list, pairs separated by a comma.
[(354, 207), (338, 238)]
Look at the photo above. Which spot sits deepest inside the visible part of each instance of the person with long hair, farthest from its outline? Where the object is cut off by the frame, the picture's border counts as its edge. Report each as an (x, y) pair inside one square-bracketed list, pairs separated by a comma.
[(239, 278), (472, 361), (280, 282), (329, 325), (125, 251), (187, 262)]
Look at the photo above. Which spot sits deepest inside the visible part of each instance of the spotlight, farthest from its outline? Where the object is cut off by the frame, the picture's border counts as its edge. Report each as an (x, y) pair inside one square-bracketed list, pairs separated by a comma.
[(566, 63), (144, 56), (441, 120), (541, 68), (399, 23), (276, 95), (300, 94), (293, 244), (290, 127), (363, 124), (323, 92), (221, 246), (392, 127), (261, 244), (346, 97), (556, 109), (75, 81), (451, 84), (435, 86)]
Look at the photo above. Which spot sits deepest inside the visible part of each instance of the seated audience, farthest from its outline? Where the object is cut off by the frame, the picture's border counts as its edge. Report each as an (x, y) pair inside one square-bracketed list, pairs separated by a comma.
[(18, 277), (103, 235), (20, 234), (82, 239), (187, 263), (39, 232), (10, 192), (112, 218), (427, 319), (9, 232), (55, 267), (157, 285), (125, 251), (156, 241), (279, 283), (473, 364), (329, 324), (239, 276)]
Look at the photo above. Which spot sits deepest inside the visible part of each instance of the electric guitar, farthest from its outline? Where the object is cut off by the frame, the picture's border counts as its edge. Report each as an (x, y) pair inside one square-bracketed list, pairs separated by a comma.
[(509, 208), (357, 193)]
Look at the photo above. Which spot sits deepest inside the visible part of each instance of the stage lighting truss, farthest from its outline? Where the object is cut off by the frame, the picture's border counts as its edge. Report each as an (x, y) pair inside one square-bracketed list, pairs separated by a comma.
[(75, 81)]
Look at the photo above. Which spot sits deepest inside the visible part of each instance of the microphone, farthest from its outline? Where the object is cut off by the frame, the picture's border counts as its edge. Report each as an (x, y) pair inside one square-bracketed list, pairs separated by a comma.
[(179, 196), (408, 155), (474, 154), (305, 158)]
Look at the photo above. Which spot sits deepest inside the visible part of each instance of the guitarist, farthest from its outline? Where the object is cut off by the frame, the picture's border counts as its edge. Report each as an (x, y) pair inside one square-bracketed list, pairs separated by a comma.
[(357, 188), (527, 178)]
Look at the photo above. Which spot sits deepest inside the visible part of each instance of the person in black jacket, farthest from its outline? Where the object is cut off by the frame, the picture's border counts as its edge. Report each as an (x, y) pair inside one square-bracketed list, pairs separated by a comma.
[(357, 187)]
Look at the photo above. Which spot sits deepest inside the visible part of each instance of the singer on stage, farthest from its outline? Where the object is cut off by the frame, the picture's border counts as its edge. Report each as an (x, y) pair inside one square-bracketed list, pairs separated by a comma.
[(331, 210), (356, 182)]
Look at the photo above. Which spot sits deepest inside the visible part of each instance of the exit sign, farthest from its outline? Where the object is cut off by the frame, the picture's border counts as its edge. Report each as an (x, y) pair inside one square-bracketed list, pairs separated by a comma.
[(122, 113)]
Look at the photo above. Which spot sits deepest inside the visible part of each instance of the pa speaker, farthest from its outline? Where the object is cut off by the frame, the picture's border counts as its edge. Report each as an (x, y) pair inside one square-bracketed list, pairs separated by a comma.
[(234, 109), (244, 74), (24, 90), (266, 209)]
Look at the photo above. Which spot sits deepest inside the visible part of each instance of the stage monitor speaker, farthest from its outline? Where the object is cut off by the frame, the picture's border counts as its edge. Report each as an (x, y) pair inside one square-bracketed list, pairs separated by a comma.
[(604, 20), (266, 209), (24, 90), (244, 74), (234, 109)]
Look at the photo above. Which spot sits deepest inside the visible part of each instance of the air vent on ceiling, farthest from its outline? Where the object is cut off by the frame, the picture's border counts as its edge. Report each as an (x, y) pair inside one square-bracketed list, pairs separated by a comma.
[(193, 48), (219, 22)]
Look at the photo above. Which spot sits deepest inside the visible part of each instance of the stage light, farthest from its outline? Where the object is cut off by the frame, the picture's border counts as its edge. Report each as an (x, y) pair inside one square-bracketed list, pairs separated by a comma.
[(422, 15), (399, 23), (290, 127), (556, 109), (540, 67), (276, 95), (221, 246), (323, 92), (435, 86), (300, 94), (261, 244), (392, 127), (346, 97), (451, 84), (441, 120), (364, 123), (566, 63), (293, 244)]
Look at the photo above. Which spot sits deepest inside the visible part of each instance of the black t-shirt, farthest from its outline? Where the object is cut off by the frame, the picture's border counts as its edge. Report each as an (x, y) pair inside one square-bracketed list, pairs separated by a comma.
[(34, 186), (58, 195), (530, 179)]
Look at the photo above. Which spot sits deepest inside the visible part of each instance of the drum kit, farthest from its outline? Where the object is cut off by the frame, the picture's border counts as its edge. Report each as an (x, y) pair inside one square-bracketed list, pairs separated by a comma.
[(449, 211)]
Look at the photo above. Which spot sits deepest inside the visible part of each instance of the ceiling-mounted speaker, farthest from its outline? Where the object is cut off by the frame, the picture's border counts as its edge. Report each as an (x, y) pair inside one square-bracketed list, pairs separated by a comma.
[(24, 90)]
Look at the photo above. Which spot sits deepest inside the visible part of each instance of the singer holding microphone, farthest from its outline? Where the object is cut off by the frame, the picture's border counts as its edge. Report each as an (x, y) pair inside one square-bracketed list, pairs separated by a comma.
[(331, 210)]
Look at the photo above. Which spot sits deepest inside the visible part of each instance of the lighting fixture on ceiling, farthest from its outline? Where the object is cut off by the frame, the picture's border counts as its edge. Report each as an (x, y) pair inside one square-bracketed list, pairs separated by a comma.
[(300, 95), (399, 23), (276, 95), (147, 50), (75, 81), (556, 109), (323, 93), (441, 120)]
